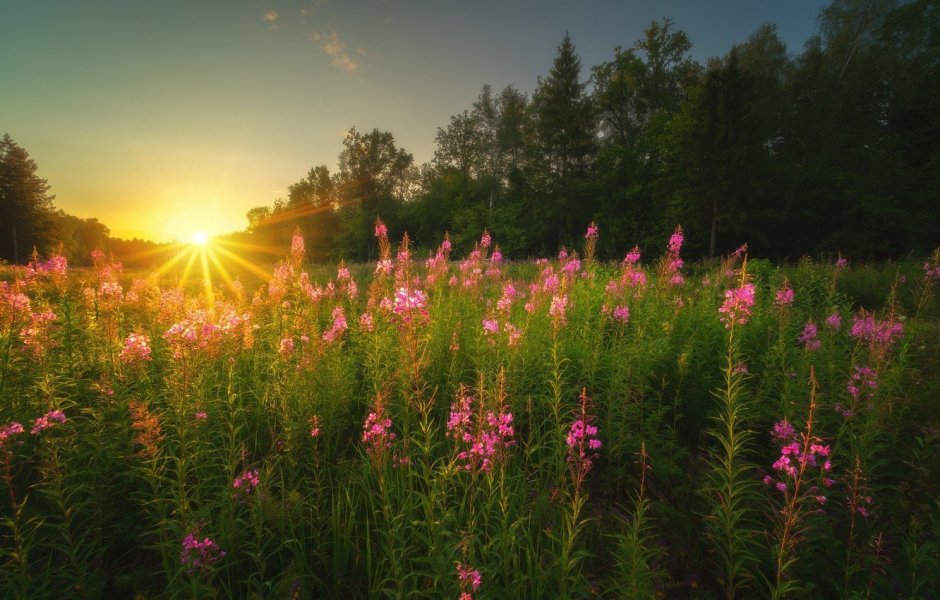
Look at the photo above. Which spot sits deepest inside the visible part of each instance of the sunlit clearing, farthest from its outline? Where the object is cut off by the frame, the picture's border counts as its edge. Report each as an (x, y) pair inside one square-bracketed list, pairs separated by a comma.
[(200, 238)]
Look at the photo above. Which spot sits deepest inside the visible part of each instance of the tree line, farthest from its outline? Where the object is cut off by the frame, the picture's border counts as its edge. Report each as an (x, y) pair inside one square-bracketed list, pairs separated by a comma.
[(836, 148), (30, 224)]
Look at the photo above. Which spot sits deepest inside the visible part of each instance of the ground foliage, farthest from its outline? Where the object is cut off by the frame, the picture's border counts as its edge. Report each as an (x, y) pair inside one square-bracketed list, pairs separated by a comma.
[(436, 427)]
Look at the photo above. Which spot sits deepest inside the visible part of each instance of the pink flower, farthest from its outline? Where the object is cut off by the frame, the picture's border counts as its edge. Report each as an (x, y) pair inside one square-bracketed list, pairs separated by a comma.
[(381, 231), (201, 416), (582, 442), (136, 349), (470, 580), (675, 241), (484, 438), (246, 483), (834, 321), (9, 430), (862, 384), (197, 555), (338, 327), (47, 420), (410, 305), (880, 335), (808, 337), (490, 326), (558, 308), (632, 257), (314, 426), (783, 431), (592, 231), (622, 314), (297, 250), (784, 296), (736, 309)]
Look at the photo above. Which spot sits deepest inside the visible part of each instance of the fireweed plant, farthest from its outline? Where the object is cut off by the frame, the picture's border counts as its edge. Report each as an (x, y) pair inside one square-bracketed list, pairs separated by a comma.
[(446, 422)]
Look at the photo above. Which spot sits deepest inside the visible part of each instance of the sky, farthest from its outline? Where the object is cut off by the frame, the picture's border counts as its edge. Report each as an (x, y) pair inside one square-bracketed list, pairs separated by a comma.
[(166, 117)]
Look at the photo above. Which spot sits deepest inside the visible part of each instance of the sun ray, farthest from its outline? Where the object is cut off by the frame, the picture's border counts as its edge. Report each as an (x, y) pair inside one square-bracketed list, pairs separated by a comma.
[(188, 267), (253, 268), (148, 253), (221, 269), (169, 264), (207, 281), (272, 250)]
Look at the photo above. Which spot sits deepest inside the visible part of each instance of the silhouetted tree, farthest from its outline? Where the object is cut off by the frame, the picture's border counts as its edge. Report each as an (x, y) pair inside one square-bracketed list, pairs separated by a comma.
[(26, 211)]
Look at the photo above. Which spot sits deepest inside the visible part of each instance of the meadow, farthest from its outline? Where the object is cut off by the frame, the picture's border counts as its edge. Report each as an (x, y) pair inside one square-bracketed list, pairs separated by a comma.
[(469, 427)]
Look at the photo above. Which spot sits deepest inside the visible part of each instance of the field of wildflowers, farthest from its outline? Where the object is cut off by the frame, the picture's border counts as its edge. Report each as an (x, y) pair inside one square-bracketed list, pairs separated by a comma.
[(473, 429)]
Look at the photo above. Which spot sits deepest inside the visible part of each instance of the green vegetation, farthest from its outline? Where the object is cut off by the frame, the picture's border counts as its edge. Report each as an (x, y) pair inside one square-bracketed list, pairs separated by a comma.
[(558, 429)]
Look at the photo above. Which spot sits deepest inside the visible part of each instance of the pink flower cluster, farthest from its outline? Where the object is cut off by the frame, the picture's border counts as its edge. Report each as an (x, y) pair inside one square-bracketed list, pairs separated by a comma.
[(437, 265), (490, 326), (286, 347), (880, 335), (834, 321), (338, 327), (14, 307), (784, 296), (470, 581), (592, 231), (56, 269), (808, 337), (558, 309), (736, 309), (196, 332), (797, 454), (297, 251), (9, 430), (674, 264), (862, 385), (582, 443), (376, 432), (36, 335), (47, 420), (484, 439), (410, 305), (622, 314), (504, 304), (932, 272), (246, 483), (197, 555), (136, 349)]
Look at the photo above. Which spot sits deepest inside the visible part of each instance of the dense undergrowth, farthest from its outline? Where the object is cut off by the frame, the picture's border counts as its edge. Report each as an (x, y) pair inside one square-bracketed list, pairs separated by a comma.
[(557, 429)]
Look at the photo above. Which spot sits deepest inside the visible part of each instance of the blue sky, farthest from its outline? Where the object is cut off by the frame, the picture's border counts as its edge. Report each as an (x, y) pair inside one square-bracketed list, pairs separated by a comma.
[(164, 117)]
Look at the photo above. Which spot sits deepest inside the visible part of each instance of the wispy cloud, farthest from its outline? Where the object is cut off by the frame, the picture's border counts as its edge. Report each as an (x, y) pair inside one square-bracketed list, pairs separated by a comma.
[(270, 16), (331, 43)]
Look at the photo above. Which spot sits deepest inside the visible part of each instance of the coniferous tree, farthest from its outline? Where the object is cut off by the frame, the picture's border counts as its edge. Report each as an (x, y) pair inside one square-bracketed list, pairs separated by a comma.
[(26, 212), (564, 148)]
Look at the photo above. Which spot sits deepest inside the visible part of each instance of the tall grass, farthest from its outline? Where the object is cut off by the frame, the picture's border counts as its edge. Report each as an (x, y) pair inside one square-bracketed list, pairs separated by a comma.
[(472, 429)]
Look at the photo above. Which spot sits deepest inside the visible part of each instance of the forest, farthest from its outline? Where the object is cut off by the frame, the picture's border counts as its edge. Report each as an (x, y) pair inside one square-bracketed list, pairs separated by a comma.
[(795, 153)]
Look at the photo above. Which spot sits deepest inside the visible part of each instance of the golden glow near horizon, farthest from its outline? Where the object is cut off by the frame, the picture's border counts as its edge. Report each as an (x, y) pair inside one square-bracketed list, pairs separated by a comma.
[(200, 238)]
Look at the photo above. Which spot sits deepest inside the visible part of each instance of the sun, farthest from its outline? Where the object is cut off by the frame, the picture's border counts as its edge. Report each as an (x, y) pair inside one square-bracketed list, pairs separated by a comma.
[(200, 238)]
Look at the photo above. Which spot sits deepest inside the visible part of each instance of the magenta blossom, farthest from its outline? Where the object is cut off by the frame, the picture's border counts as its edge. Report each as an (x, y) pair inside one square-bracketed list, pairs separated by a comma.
[(736, 309), (47, 420), (197, 555), (246, 483), (808, 337), (622, 314)]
